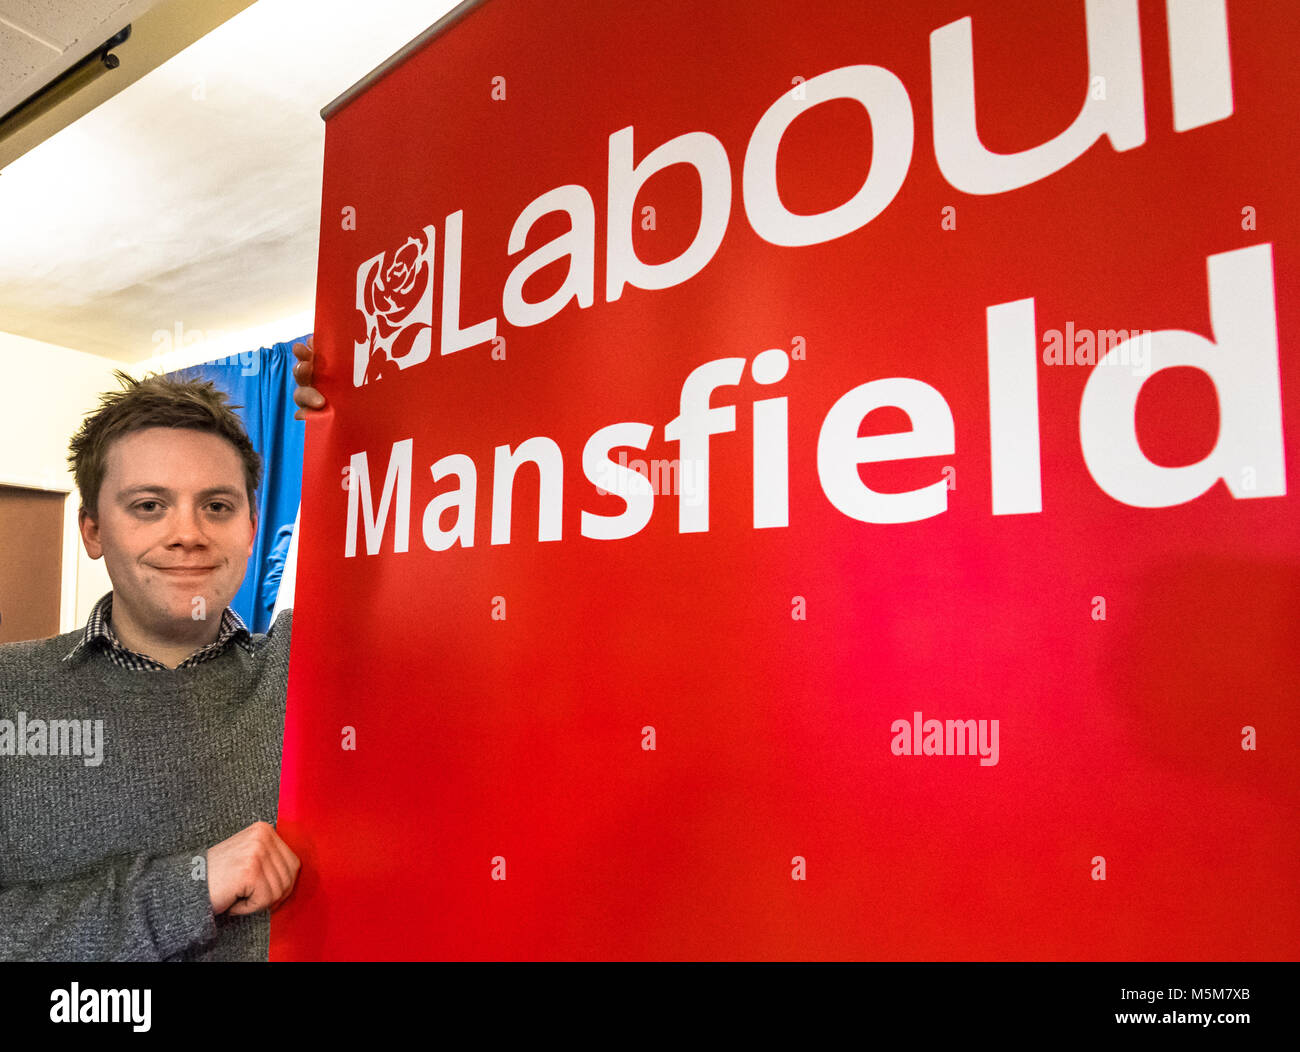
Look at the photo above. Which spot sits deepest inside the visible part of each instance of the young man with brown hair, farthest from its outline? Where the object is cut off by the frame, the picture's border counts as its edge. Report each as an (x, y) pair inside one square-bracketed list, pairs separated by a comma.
[(140, 756)]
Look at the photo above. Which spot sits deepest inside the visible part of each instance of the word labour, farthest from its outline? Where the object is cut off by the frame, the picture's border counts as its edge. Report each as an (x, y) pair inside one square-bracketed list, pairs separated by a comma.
[(1202, 94)]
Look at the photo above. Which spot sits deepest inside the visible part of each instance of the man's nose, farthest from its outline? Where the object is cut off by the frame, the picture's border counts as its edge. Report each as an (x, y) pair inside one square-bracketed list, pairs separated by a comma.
[(187, 528)]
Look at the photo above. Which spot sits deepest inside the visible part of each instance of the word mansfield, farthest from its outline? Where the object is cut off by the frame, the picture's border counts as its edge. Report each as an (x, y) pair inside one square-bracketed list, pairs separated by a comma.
[(24, 737), (1240, 359)]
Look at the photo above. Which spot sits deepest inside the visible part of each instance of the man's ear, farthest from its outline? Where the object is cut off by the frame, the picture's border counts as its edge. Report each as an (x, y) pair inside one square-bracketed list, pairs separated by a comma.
[(252, 540), (89, 534)]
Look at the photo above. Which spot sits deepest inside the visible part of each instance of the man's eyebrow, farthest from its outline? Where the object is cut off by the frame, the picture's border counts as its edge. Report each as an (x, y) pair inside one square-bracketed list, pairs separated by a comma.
[(212, 491)]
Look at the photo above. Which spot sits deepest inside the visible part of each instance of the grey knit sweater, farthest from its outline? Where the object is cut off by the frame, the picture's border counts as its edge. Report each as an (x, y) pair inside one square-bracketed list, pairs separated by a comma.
[(104, 857)]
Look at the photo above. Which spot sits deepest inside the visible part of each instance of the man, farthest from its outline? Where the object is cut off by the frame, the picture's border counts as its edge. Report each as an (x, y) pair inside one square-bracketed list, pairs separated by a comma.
[(140, 756)]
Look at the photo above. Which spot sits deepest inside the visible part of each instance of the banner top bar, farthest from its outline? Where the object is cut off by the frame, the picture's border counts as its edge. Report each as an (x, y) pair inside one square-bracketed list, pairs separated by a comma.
[(397, 58)]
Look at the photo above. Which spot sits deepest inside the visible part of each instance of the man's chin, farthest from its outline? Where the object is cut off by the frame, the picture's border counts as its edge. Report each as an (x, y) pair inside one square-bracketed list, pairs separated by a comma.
[(186, 614)]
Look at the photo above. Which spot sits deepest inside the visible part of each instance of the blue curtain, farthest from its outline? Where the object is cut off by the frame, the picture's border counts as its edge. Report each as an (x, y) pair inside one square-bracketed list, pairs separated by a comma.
[(262, 383)]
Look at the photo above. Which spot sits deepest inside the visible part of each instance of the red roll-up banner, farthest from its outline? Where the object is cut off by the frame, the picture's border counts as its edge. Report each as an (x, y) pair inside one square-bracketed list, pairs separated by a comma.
[(805, 481)]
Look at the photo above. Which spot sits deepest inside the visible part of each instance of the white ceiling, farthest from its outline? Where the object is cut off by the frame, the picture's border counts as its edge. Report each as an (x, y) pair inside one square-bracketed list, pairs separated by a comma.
[(189, 203), (38, 41)]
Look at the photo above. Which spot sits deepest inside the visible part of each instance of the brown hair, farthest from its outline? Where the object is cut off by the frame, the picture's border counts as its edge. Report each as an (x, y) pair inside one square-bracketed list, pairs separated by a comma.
[(156, 401)]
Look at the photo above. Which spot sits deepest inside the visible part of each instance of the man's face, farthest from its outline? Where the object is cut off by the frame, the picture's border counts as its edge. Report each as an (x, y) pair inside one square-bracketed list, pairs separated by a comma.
[(173, 527)]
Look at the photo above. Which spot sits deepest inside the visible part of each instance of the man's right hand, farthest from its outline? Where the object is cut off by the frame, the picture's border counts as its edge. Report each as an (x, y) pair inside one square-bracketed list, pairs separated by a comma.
[(305, 395), (251, 871)]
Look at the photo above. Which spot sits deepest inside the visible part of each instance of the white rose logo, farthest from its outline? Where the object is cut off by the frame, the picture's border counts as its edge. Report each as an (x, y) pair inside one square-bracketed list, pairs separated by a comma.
[(395, 305)]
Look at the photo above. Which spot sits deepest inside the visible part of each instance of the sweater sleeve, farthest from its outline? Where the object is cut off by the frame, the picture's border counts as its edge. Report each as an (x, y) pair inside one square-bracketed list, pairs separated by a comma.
[(129, 908)]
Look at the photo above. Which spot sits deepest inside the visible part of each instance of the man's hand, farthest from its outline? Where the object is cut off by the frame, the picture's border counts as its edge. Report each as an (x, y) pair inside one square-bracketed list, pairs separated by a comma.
[(250, 871), (306, 396)]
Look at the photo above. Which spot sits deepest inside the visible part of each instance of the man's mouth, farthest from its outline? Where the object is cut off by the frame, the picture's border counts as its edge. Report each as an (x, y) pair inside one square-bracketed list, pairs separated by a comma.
[(186, 571)]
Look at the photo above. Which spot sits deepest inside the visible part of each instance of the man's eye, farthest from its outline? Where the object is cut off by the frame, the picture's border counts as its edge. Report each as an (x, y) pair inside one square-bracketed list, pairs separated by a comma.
[(221, 506), (147, 505)]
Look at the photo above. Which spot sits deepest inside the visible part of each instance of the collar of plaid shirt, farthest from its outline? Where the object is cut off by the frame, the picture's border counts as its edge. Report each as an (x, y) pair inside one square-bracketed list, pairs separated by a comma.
[(99, 633)]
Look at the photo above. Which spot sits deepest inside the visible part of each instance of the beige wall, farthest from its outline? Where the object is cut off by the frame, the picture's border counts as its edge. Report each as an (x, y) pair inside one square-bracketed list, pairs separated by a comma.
[(44, 393)]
